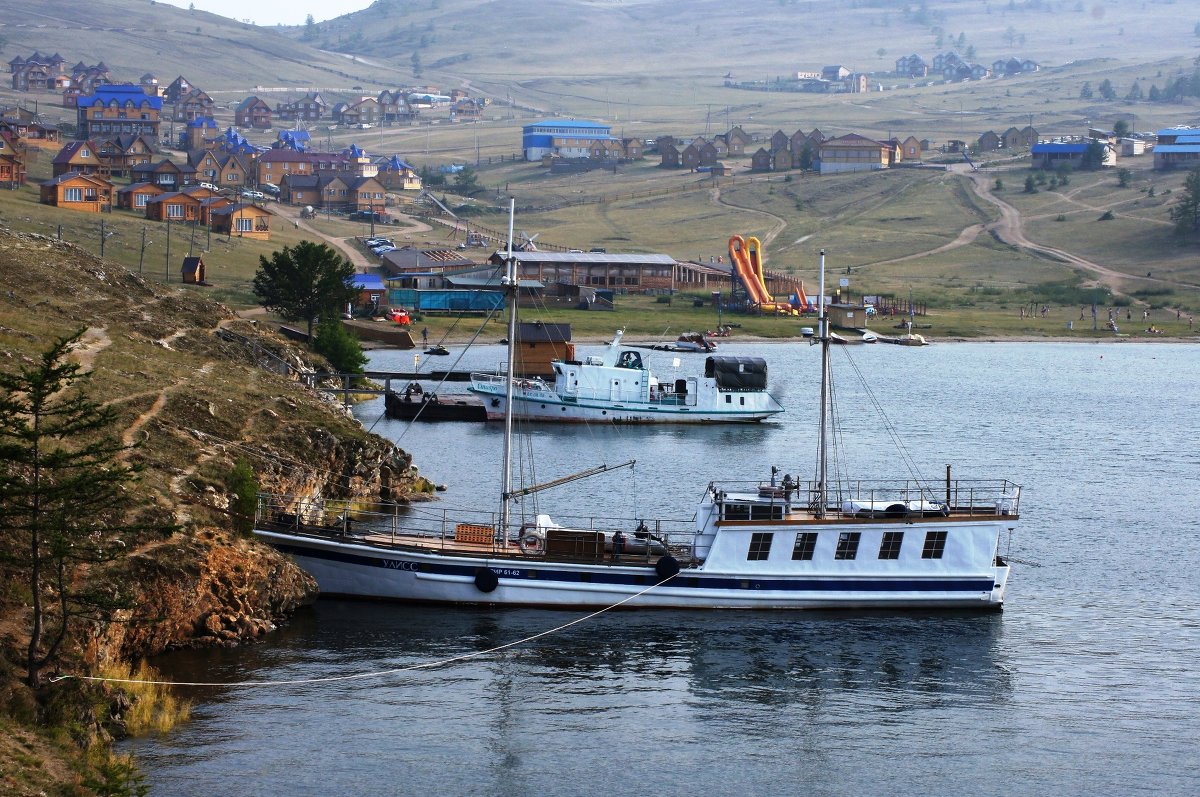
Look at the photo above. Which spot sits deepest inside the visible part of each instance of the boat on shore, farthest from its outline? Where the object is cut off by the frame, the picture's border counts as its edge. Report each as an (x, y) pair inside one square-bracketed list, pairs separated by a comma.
[(767, 543), (618, 387)]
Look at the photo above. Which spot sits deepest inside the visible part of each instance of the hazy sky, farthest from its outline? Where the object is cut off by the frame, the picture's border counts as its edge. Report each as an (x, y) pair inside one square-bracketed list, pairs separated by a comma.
[(272, 12)]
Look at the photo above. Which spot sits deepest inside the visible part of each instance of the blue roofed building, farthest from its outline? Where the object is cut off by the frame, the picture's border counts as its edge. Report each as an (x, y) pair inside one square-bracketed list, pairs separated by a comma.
[(1052, 154), (563, 138), (118, 109), (1177, 148)]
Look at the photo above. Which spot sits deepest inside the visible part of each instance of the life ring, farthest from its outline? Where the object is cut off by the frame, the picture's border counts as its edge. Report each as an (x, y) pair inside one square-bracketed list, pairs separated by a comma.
[(530, 543)]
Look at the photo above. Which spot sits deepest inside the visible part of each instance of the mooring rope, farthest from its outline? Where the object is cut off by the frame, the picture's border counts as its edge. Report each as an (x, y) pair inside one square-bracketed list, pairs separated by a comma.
[(375, 673)]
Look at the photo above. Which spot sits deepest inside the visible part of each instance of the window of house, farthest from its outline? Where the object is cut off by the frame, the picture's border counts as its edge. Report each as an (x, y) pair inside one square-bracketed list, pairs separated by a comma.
[(847, 545), (760, 546), (890, 547), (935, 545), (73, 195), (805, 545), (139, 200), (174, 211), (245, 225)]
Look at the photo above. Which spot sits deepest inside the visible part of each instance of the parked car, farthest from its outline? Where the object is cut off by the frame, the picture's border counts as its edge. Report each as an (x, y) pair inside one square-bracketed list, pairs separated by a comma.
[(270, 188), (383, 250), (248, 194), (210, 187)]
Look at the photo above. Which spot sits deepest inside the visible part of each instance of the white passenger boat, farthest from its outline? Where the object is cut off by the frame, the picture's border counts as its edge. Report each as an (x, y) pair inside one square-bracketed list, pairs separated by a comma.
[(618, 387), (773, 543)]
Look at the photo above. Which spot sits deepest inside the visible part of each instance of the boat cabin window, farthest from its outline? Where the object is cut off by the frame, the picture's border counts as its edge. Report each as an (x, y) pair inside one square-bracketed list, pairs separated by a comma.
[(847, 547), (630, 359), (806, 544), (890, 547), (760, 546), (935, 545), (752, 511)]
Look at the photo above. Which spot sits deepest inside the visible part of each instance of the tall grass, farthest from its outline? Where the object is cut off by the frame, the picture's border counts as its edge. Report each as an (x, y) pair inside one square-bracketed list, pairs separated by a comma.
[(153, 707)]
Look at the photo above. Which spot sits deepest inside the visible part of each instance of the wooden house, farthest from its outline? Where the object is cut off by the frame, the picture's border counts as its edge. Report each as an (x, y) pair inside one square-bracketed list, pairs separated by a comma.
[(196, 104), (90, 193), (80, 157), (135, 196), (988, 141), (173, 206), (669, 154), (275, 164), (222, 169), (761, 161), (1012, 138), (309, 108), (632, 149), (167, 174), (397, 175), (690, 157), (253, 113), (12, 160), (201, 133), (210, 204), (910, 149), (853, 153), (125, 152), (245, 220), (737, 140)]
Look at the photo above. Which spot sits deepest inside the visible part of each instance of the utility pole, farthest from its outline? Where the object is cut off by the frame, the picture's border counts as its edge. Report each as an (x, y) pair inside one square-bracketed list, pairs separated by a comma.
[(167, 264), (142, 254)]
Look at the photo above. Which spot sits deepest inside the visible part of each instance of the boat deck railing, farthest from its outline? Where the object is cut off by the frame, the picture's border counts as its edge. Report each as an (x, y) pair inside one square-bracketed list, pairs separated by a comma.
[(864, 499), (458, 531)]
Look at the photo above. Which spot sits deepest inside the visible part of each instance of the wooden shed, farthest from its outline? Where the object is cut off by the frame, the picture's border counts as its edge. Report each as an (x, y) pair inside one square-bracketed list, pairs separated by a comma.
[(193, 271)]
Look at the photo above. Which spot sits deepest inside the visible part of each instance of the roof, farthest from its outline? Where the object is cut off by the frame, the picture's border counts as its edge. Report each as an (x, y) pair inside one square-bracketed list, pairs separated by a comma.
[(1179, 131), (577, 123), (590, 257), (120, 92), (1177, 148), (62, 178), (494, 281), (367, 282), (1054, 146)]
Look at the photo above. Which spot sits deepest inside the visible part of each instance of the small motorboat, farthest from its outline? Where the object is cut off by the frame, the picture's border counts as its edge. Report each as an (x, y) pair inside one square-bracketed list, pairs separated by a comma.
[(438, 350)]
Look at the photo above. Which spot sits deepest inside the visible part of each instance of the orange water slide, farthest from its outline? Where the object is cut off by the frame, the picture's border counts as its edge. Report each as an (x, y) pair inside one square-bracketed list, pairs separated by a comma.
[(740, 257)]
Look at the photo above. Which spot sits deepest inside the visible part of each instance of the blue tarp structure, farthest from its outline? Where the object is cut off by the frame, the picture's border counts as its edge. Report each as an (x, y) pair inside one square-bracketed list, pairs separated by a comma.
[(446, 301)]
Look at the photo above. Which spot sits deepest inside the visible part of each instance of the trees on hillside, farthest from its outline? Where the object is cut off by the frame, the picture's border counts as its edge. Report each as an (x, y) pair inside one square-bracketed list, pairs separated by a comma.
[(304, 283), (64, 495)]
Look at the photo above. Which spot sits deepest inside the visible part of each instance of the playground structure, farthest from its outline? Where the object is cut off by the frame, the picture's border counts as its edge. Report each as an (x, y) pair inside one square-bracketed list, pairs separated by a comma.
[(745, 257)]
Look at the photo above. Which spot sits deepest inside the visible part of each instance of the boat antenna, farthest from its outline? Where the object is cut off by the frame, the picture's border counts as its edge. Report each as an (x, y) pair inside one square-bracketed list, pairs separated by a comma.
[(511, 294), (822, 444)]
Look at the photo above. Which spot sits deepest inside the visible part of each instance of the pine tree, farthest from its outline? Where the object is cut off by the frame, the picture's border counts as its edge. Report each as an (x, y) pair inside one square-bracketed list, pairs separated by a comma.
[(1186, 212), (64, 499), (304, 282)]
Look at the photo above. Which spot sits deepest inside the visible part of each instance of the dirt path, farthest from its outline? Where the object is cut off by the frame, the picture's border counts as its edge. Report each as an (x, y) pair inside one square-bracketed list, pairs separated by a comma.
[(775, 231), (1008, 228)]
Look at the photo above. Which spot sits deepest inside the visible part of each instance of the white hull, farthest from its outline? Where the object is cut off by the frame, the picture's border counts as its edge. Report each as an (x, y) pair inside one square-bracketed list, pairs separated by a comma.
[(548, 407), (362, 570)]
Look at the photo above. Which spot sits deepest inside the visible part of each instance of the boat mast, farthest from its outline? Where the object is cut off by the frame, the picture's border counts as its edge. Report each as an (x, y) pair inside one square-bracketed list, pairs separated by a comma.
[(822, 444), (511, 295)]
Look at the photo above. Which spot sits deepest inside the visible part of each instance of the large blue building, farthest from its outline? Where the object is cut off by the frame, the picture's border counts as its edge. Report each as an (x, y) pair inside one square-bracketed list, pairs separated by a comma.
[(565, 138), (118, 109)]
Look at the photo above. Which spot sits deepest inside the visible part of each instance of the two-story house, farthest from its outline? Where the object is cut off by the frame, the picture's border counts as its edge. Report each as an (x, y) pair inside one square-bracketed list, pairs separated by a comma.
[(253, 113), (308, 108), (80, 157)]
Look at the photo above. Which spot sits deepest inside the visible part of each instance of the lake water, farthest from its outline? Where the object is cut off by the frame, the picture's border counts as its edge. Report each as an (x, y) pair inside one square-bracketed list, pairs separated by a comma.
[(1088, 683)]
